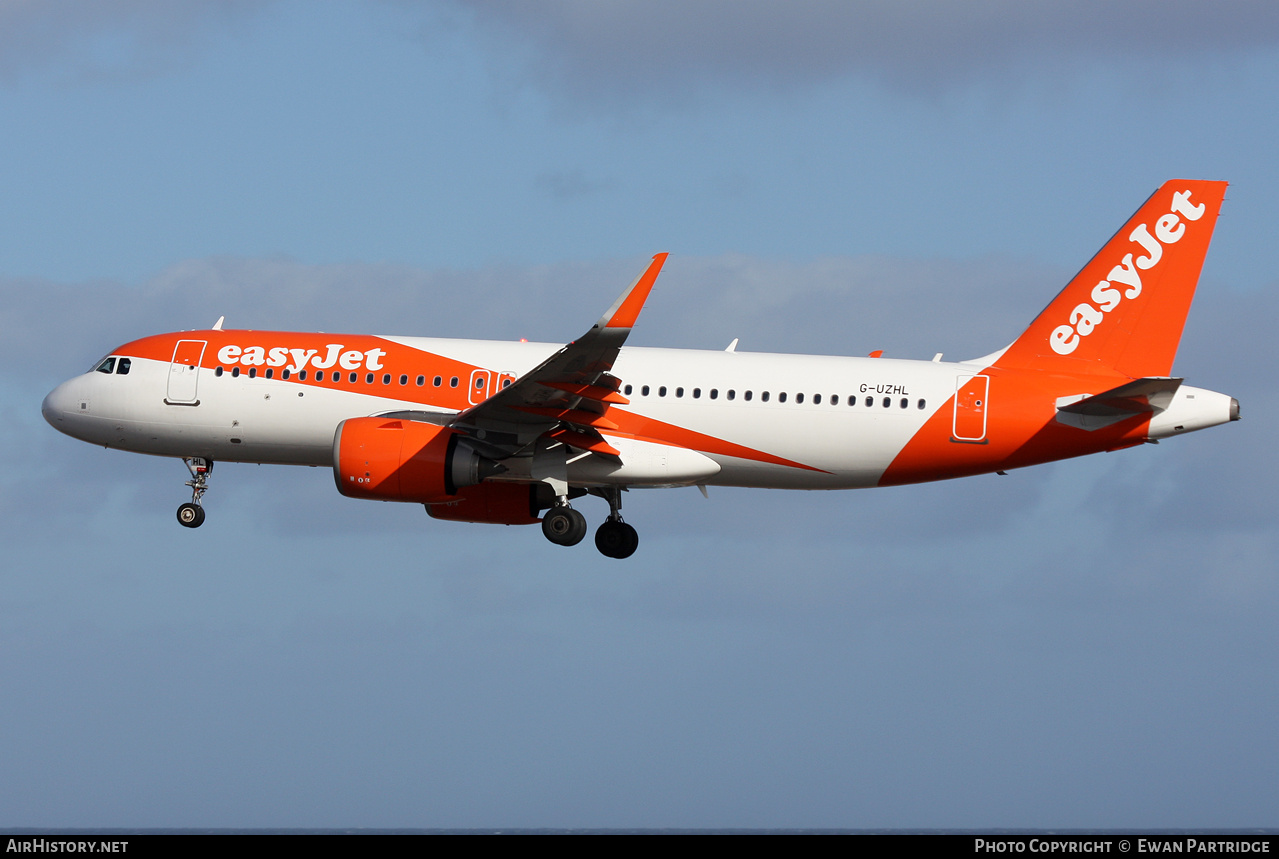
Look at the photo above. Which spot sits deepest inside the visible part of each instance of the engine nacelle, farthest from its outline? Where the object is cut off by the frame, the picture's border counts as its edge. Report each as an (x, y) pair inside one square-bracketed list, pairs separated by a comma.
[(389, 459), (495, 503)]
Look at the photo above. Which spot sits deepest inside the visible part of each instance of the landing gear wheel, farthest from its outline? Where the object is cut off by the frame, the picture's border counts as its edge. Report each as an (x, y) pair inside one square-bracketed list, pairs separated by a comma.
[(564, 526), (616, 539), (191, 515)]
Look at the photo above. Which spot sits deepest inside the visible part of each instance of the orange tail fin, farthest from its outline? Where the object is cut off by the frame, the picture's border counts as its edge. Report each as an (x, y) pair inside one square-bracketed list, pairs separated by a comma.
[(1126, 308)]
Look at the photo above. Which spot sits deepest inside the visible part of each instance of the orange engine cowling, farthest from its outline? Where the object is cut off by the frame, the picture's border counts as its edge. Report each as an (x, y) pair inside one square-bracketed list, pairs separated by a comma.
[(389, 459), (495, 503)]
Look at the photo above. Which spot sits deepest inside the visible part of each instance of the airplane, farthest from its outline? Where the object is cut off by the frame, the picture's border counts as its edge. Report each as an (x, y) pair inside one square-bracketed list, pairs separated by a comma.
[(512, 432)]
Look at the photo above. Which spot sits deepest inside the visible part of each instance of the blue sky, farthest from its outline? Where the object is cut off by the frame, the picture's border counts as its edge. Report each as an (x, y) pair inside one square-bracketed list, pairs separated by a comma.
[(1083, 644)]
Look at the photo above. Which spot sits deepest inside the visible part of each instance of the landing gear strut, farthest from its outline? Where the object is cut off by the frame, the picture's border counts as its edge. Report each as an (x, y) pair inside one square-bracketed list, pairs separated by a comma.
[(563, 525), (615, 539), (191, 515)]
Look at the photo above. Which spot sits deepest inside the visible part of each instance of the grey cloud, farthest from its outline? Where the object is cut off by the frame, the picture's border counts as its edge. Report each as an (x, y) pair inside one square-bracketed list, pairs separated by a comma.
[(125, 37), (667, 49), (566, 185)]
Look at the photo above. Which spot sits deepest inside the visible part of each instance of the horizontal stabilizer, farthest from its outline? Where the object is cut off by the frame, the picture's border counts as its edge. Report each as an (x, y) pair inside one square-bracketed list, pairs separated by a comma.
[(1137, 397)]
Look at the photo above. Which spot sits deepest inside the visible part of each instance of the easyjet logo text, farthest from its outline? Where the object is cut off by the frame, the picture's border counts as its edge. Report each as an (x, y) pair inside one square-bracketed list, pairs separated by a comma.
[(1110, 293), (300, 359)]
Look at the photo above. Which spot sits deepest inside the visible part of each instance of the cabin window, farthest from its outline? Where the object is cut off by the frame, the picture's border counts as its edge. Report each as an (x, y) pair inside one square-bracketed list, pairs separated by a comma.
[(921, 404), (817, 399), (122, 368), (253, 372), (714, 393), (888, 401), (404, 379), (732, 395), (506, 383), (270, 373), (386, 378), (834, 399), (218, 371), (679, 392), (628, 390), (799, 398), (905, 402), (697, 393), (763, 397), (107, 366), (437, 381), (747, 396), (353, 378), (284, 374), (301, 375), (781, 398), (870, 401), (453, 382), (661, 392), (235, 372), (644, 391)]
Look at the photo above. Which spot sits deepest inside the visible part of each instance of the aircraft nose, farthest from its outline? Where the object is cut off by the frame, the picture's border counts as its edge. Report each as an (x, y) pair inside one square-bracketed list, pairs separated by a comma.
[(57, 405)]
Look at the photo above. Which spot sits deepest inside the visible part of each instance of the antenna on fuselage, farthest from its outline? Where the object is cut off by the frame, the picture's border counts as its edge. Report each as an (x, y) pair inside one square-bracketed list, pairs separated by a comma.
[(217, 326)]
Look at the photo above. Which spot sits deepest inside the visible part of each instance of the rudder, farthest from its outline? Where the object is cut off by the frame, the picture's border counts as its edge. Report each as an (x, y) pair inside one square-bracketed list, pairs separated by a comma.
[(1125, 310)]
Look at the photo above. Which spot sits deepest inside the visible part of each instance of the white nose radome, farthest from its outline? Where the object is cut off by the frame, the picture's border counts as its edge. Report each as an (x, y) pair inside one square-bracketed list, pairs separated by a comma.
[(62, 405)]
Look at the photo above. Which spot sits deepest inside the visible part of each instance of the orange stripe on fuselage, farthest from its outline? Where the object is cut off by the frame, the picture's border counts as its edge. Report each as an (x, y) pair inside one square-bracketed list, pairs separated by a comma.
[(1021, 430), (631, 425), (378, 356)]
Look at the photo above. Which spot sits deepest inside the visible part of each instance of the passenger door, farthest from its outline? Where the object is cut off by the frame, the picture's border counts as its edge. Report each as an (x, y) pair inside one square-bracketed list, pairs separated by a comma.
[(184, 373)]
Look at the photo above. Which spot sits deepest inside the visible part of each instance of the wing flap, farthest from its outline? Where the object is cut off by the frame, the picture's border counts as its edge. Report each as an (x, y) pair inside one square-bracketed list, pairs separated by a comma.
[(594, 442)]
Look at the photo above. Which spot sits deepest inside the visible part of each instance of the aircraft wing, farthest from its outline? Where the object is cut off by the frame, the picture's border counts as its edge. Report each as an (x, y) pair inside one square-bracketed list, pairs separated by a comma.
[(569, 393)]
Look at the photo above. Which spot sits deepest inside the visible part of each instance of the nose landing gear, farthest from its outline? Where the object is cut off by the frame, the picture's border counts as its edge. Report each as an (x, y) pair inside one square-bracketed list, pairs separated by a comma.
[(191, 515)]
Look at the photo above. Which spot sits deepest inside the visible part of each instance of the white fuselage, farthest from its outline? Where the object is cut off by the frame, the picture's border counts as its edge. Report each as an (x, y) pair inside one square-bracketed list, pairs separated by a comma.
[(843, 418)]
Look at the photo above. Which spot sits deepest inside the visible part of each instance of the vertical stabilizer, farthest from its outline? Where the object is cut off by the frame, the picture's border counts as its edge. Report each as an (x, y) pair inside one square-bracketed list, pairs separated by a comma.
[(1126, 308)]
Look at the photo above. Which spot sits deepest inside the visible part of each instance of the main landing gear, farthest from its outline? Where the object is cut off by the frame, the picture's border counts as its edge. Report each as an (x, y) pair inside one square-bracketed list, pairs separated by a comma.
[(616, 539), (564, 526), (191, 515)]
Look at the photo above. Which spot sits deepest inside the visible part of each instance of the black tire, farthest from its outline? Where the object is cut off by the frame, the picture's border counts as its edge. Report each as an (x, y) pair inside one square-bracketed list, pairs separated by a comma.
[(191, 515), (631, 544), (610, 538), (579, 528), (616, 539), (564, 526)]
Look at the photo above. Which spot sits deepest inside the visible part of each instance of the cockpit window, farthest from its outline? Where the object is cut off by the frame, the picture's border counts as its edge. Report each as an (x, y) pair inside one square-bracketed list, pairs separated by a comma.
[(107, 366), (122, 367)]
